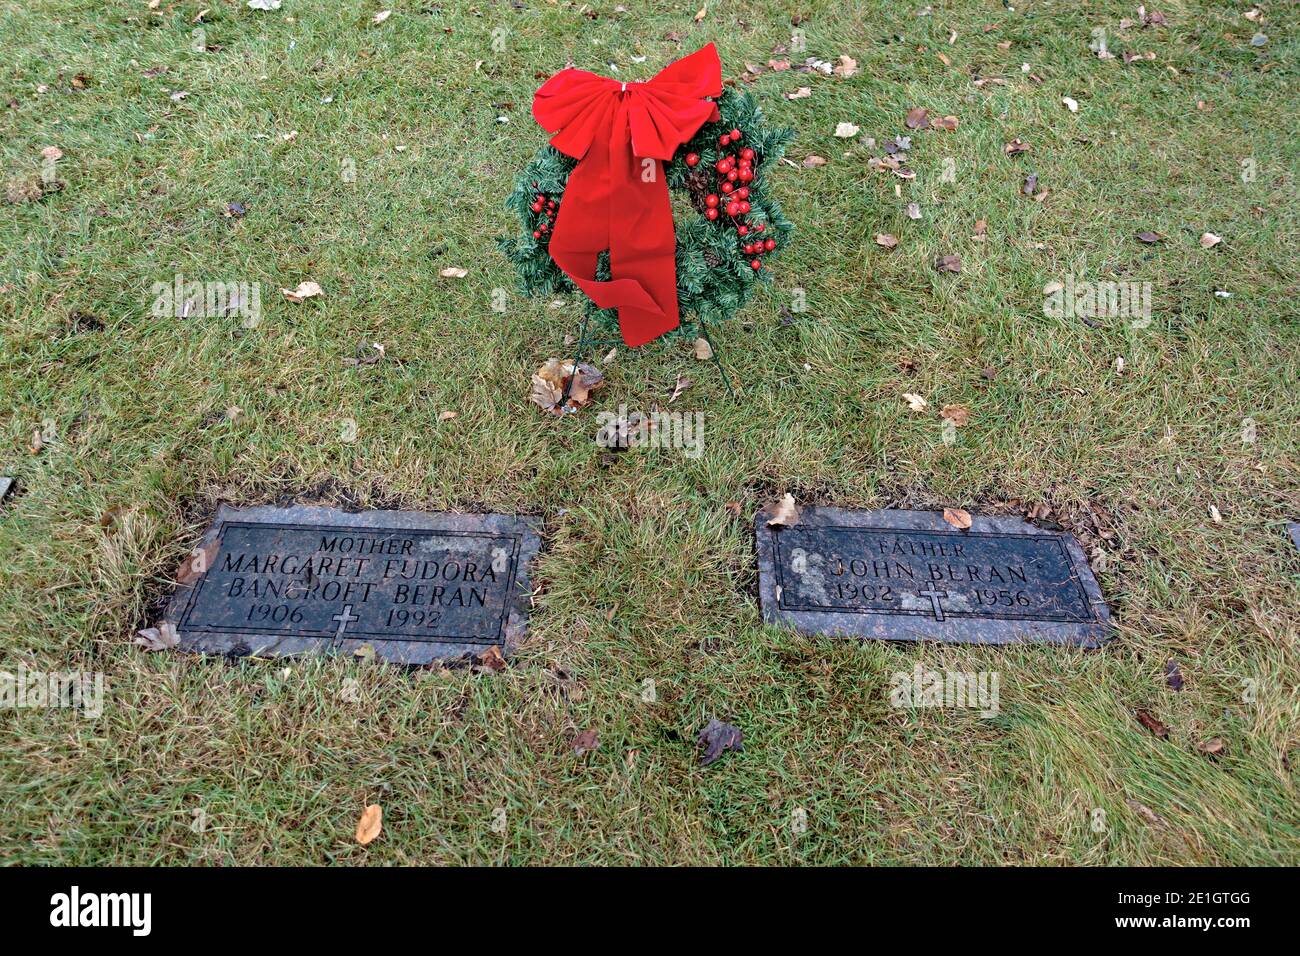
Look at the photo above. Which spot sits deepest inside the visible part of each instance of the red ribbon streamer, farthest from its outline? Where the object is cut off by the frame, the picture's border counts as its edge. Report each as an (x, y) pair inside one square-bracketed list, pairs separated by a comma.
[(617, 195)]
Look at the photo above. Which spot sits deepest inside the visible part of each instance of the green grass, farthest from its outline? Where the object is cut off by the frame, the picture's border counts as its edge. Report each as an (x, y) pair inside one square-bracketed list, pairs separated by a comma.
[(645, 574)]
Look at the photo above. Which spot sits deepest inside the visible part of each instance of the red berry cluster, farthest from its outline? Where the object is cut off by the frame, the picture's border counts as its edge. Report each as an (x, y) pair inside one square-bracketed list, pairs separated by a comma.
[(541, 204), (735, 173)]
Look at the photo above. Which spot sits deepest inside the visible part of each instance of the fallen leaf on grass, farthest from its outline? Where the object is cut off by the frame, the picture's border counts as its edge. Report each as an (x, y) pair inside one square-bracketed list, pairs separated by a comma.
[(949, 123), (305, 290), (370, 823), (948, 263), (1173, 676), (585, 742), (913, 210), (847, 130), (381, 16), (885, 240), (847, 66), (717, 738), (703, 350), (1212, 747), (1152, 724), (682, 385), (550, 381), (959, 415), (1209, 240), (1070, 104), (813, 162), (1149, 237), (1016, 147), (957, 518), (917, 118), (366, 354), (453, 272), (703, 12), (1146, 813), (733, 508), (447, 416), (783, 513), (51, 154), (915, 402), (490, 660), (799, 94), (160, 638)]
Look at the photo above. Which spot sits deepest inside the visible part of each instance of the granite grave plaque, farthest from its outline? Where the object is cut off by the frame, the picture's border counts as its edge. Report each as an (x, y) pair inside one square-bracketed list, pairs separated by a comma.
[(6, 486), (416, 587), (909, 575)]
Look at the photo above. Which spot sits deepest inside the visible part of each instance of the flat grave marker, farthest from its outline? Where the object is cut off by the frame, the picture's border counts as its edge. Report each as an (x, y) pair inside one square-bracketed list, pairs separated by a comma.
[(910, 576), (6, 486), (417, 587)]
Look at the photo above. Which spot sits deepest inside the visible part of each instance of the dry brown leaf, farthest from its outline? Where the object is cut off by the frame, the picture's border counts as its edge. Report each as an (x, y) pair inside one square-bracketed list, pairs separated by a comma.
[(1209, 240), (1016, 147), (703, 350), (491, 660), (447, 416), (550, 381), (1212, 747), (453, 272), (917, 118), (885, 240), (915, 402), (160, 638), (847, 66), (1149, 237), (799, 94), (783, 513), (370, 823), (943, 58), (586, 742), (959, 415), (957, 518), (702, 14), (682, 385), (949, 123), (305, 290), (1152, 724), (948, 263), (813, 162), (51, 154)]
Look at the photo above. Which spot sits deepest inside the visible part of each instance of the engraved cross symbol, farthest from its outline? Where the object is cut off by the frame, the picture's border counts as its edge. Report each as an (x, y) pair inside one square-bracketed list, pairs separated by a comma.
[(934, 597), (344, 619)]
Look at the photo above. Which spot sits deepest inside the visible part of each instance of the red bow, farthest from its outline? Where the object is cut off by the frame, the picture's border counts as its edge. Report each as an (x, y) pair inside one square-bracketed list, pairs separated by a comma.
[(617, 197)]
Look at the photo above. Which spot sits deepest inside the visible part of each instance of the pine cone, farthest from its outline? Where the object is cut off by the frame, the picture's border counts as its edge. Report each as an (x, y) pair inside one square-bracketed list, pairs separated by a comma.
[(711, 259), (697, 181)]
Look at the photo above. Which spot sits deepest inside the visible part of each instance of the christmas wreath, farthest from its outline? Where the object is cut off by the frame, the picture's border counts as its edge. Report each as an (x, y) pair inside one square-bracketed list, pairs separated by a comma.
[(714, 151)]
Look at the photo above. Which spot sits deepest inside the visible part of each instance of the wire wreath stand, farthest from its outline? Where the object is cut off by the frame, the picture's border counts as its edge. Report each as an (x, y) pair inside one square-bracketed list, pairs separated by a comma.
[(584, 343)]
